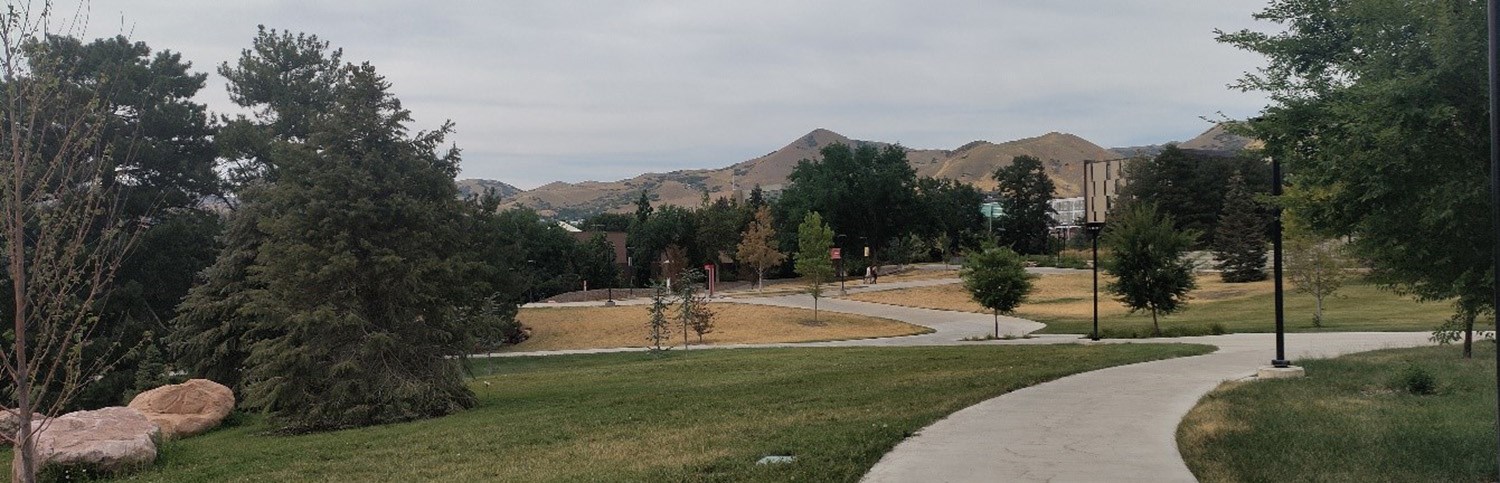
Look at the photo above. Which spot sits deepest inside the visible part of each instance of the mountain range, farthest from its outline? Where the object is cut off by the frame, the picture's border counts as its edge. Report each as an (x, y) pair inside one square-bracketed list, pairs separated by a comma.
[(1062, 154)]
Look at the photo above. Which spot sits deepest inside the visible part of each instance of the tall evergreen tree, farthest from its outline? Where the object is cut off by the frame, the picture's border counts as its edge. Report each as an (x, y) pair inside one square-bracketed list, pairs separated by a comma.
[(1025, 196), (1240, 239), (352, 298)]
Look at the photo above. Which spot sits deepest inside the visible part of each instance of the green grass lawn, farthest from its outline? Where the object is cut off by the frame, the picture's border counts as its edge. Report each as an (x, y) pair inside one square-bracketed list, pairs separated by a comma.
[(1356, 308), (682, 416), (1352, 419)]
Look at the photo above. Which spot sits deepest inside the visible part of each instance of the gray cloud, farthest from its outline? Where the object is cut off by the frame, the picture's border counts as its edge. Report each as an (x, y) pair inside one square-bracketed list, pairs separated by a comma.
[(570, 90)]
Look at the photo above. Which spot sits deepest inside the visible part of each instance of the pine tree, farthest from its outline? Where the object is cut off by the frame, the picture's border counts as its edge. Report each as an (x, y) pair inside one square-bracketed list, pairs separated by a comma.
[(345, 295), (1240, 239)]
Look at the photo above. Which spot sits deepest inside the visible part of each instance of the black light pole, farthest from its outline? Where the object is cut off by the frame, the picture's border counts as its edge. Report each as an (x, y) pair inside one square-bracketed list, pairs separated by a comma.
[(1094, 228), (1280, 360), (1494, 61)]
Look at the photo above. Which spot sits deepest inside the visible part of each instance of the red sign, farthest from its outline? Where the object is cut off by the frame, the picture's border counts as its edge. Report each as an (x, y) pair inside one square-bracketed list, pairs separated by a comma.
[(835, 253)]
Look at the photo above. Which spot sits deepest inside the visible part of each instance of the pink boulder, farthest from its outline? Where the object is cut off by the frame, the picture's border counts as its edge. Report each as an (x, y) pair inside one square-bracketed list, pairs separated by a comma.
[(110, 439), (186, 409)]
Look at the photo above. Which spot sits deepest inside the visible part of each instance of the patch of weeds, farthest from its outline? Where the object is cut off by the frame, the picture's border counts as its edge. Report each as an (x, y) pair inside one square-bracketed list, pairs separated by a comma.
[(1171, 331), (1416, 380)]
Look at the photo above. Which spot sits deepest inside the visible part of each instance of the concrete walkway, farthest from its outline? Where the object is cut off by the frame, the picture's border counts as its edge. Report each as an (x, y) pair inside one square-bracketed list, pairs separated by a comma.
[(1115, 424)]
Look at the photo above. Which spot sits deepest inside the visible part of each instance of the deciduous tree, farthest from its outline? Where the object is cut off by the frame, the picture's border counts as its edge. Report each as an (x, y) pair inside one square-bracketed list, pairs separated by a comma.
[(1377, 124), (758, 246), (1151, 269), (813, 260), (996, 278)]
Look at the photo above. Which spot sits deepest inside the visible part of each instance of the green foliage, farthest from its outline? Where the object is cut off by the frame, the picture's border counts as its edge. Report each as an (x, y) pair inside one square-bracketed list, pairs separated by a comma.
[(1377, 123), (813, 260), (155, 146), (997, 280), (596, 262), (349, 287), (1417, 380), (1025, 193), (608, 222), (1151, 270), (1240, 238), (1189, 186), (865, 193), (949, 215)]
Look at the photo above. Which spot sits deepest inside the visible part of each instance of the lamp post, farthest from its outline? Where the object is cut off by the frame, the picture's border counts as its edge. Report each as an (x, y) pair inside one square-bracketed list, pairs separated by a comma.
[(1094, 228), (1280, 360)]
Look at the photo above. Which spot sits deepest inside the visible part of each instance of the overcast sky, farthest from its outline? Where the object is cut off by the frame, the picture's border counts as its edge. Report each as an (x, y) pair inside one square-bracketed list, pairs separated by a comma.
[(573, 90)]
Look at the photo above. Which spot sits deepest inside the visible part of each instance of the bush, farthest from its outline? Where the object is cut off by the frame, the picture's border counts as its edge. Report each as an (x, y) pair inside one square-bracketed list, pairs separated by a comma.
[(1416, 380)]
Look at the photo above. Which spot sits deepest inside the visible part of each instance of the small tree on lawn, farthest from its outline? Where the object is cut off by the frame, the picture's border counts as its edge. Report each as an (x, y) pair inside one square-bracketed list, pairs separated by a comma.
[(758, 246), (1151, 269), (693, 313), (658, 326), (813, 260), (1316, 266), (1240, 239), (996, 278)]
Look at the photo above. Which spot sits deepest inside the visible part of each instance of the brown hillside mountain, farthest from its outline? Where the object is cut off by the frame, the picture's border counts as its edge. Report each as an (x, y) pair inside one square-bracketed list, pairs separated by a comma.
[(473, 187), (1062, 154), (1216, 139), (1219, 139)]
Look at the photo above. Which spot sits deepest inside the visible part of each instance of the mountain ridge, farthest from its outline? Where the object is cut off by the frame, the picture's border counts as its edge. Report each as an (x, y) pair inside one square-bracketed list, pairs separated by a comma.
[(1062, 154)]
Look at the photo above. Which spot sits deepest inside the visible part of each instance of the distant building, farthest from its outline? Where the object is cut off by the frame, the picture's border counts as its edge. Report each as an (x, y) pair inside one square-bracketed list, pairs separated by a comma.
[(616, 240), (1066, 212)]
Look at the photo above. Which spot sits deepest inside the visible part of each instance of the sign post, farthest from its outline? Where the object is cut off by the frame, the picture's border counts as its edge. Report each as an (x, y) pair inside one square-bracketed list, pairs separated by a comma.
[(712, 276), (838, 254)]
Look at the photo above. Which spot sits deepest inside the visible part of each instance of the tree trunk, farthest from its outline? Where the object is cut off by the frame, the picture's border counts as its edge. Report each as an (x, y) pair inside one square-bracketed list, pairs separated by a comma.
[(815, 310), (26, 441), (1469, 335), (760, 280), (1318, 312), (997, 324), (1154, 324)]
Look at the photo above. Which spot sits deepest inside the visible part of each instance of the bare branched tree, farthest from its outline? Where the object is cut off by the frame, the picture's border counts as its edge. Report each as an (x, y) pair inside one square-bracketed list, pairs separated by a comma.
[(62, 238)]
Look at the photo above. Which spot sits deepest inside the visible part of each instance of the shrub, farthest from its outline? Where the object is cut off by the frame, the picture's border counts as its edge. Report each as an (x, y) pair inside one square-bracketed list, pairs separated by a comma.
[(1416, 380)]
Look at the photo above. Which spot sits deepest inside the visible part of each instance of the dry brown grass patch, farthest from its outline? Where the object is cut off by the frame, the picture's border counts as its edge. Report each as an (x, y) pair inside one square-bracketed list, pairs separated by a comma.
[(1055, 296), (625, 326)]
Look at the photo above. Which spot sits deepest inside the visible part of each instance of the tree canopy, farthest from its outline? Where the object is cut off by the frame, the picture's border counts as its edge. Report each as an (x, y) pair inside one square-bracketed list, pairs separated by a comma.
[(1151, 270), (1025, 204), (1384, 138), (996, 278)]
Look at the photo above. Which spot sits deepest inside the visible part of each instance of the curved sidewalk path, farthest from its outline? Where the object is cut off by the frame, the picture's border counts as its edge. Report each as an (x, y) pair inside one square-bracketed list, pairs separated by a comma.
[(1115, 424)]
